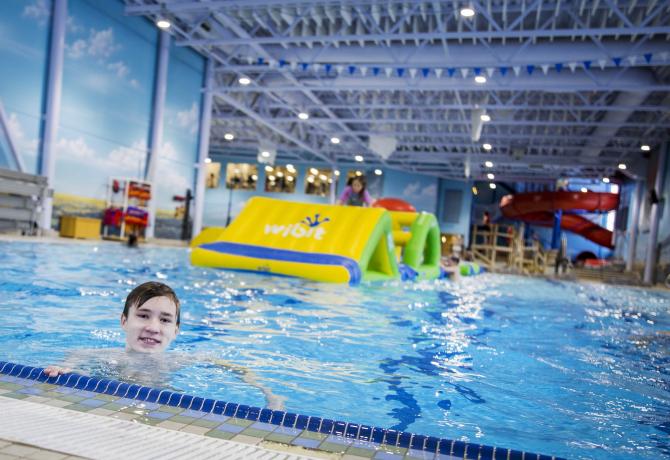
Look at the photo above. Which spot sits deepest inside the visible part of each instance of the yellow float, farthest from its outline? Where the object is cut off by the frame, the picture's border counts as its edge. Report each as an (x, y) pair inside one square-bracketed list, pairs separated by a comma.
[(339, 244)]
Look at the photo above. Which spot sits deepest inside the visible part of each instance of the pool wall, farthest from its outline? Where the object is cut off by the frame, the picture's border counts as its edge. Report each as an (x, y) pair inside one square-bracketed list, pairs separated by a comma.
[(226, 419)]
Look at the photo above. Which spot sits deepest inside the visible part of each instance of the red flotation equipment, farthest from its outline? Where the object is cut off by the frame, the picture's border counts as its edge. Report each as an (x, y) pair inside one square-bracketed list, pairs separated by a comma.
[(394, 204)]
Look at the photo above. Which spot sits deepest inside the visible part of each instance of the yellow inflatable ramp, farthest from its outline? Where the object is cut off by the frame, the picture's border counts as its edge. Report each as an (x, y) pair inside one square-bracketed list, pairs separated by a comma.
[(339, 244)]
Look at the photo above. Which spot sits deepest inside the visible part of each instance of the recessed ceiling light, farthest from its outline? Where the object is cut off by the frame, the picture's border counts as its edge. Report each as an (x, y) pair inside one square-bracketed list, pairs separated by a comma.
[(269, 168), (337, 172), (378, 172), (254, 177), (485, 117), (310, 179), (289, 178), (491, 176), (280, 174), (492, 186), (323, 177), (313, 171), (475, 190), (244, 81), (265, 154), (622, 166), (359, 173), (290, 168), (163, 24), (208, 160), (303, 115), (467, 12), (487, 147), (358, 158), (584, 189), (488, 164), (645, 148), (229, 136), (606, 180), (481, 79), (334, 140)]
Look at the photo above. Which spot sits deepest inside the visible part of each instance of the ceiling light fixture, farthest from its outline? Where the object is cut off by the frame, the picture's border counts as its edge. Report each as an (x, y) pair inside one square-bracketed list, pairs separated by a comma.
[(485, 117), (622, 166), (163, 24), (359, 173), (491, 176), (487, 147), (467, 12), (606, 180), (474, 190), (334, 140), (584, 189), (488, 164), (229, 136), (208, 160), (303, 116), (480, 79), (265, 154), (645, 148), (337, 172), (492, 186), (244, 81), (378, 172), (359, 158), (313, 171)]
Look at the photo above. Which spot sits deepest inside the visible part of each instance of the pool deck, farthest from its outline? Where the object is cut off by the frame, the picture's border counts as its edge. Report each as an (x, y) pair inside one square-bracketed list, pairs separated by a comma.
[(48, 416)]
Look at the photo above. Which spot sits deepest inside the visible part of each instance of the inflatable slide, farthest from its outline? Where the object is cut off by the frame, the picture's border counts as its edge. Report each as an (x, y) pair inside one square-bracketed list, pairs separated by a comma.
[(339, 244), (538, 209)]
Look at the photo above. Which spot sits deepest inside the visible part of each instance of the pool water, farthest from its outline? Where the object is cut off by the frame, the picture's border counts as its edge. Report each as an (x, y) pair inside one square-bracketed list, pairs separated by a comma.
[(560, 368)]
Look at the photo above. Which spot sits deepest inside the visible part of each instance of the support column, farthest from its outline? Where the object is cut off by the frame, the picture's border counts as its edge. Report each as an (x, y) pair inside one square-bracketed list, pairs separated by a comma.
[(634, 224), (160, 87), (650, 260), (333, 187), (556, 233), (47, 161), (203, 149)]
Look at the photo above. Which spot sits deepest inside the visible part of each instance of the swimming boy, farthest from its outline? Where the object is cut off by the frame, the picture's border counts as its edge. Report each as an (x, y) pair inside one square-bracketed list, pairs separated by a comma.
[(151, 319)]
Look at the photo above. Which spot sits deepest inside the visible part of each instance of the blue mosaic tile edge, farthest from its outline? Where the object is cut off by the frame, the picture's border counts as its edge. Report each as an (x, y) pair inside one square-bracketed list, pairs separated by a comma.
[(353, 431)]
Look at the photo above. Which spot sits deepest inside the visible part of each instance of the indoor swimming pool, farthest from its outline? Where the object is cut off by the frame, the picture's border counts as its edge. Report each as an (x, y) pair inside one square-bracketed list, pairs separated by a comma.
[(561, 368)]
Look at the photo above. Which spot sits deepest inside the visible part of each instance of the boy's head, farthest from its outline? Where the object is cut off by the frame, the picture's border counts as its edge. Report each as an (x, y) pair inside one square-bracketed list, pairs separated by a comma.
[(150, 317)]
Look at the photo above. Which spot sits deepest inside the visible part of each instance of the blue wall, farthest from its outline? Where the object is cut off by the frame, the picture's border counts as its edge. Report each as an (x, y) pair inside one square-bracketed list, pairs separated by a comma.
[(417, 189), (462, 226)]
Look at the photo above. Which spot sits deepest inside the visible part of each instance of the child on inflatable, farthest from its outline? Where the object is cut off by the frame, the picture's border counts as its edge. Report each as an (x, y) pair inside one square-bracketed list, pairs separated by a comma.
[(355, 194)]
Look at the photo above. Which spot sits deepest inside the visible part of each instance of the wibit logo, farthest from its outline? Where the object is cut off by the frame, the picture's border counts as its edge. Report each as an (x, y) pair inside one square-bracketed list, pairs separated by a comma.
[(306, 228)]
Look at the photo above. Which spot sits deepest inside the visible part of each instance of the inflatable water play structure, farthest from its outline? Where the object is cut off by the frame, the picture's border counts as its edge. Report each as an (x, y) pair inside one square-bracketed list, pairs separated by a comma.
[(538, 209), (339, 244)]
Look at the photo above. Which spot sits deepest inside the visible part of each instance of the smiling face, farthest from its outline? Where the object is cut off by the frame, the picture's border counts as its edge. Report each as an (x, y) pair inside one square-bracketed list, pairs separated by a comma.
[(152, 326)]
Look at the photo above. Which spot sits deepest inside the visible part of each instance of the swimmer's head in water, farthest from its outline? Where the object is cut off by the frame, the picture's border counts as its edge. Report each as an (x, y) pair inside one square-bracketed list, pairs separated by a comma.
[(150, 317)]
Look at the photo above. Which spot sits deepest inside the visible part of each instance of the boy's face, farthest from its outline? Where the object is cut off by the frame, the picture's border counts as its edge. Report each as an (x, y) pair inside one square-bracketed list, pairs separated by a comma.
[(151, 327)]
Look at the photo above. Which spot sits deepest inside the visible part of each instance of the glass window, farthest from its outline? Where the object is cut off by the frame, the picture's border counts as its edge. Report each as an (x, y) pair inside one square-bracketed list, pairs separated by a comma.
[(212, 173), (241, 176), (317, 181), (280, 179)]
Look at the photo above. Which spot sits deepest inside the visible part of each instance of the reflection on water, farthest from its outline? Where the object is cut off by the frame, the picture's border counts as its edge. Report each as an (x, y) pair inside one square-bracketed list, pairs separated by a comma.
[(574, 370)]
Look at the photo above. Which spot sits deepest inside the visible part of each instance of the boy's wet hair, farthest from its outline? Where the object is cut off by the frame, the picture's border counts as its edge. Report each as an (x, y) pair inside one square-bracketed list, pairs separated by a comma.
[(147, 291)]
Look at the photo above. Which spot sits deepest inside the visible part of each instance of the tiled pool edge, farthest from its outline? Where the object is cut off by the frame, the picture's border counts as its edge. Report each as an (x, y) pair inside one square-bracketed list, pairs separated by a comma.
[(350, 432)]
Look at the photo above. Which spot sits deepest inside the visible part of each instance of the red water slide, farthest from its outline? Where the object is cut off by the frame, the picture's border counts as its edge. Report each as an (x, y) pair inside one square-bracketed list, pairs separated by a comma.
[(538, 209)]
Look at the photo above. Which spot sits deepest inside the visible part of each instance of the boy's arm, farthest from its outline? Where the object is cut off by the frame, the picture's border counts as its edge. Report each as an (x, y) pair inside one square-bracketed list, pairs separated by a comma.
[(274, 401)]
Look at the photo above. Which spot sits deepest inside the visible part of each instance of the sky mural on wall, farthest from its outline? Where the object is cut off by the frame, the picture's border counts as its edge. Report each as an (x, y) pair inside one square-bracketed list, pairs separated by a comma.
[(108, 77), (24, 29)]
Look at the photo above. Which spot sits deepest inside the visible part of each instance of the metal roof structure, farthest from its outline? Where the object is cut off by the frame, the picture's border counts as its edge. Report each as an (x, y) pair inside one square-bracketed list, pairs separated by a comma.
[(572, 87)]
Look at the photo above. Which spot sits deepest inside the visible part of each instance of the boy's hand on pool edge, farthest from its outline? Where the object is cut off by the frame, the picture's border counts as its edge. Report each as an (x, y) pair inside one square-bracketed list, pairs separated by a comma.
[(55, 371)]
